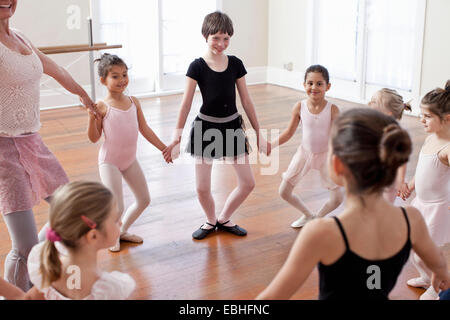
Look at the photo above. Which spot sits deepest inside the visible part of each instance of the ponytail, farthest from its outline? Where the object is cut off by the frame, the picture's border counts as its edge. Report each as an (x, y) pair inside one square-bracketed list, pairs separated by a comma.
[(50, 267)]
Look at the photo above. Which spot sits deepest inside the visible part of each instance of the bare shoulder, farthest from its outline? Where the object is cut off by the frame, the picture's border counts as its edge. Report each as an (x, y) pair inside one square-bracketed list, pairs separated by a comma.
[(334, 108), (296, 109), (444, 155), (324, 230), (413, 213), (136, 101), (334, 111)]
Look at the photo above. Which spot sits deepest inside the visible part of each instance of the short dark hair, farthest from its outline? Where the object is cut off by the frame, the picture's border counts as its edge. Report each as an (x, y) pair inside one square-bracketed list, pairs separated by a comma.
[(438, 100), (320, 69), (106, 62), (372, 146), (217, 22)]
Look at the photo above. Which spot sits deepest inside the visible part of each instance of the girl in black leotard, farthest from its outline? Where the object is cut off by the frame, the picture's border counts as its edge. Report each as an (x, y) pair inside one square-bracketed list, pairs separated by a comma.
[(218, 131), (361, 254)]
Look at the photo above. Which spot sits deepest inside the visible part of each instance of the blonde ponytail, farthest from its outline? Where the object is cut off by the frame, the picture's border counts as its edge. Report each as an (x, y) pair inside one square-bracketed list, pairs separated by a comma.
[(50, 267)]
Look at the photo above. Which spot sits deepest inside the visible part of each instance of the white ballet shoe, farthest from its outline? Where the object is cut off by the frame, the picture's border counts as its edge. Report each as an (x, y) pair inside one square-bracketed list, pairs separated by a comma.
[(430, 294), (116, 247), (302, 221), (131, 237), (418, 283)]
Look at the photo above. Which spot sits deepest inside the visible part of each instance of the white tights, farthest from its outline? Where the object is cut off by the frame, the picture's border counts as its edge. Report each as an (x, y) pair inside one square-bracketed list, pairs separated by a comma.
[(246, 183), (111, 177), (287, 193)]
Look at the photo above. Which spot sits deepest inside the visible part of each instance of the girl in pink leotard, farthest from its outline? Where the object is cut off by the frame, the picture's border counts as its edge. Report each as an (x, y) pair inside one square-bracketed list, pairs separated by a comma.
[(121, 119), (432, 179), (389, 102), (316, 115)]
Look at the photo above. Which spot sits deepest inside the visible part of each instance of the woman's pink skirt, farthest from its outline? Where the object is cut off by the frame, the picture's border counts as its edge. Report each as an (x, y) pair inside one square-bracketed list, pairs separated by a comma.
[(29, 172)]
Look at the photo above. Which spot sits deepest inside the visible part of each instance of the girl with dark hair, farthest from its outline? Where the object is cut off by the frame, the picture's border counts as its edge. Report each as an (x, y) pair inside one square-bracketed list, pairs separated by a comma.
[(120, 118), (432, 179), (361, 254), (316, 115)]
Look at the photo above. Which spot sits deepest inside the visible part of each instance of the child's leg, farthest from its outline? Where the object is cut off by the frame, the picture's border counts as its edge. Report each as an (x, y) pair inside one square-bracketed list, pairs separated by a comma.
[(42, 232), (424, 280), (138, 185), (23, 232), (112, 178), (246, 183), (203, 182), (335, 200), (287, 193)]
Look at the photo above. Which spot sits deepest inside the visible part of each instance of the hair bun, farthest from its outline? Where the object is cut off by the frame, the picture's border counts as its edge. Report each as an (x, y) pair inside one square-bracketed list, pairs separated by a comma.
[(407, 106), (395, 146)]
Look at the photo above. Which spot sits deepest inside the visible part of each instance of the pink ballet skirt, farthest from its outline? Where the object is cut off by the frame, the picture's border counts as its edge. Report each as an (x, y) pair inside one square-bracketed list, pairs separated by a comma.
[(110, 286), (309, 171), (29, 172), (432, 182)]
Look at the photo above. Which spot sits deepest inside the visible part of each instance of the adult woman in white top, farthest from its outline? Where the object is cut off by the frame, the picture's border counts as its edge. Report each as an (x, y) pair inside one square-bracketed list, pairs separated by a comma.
[(28, 170)]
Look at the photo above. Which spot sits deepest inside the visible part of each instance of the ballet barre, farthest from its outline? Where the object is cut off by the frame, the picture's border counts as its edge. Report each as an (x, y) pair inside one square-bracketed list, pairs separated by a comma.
[(82, 48), (77, 48)]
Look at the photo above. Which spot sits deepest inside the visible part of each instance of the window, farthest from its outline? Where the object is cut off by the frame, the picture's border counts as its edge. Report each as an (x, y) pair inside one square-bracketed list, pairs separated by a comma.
[(159, 38), (369, 44), (337, 29), (182, 41), (133, 25)]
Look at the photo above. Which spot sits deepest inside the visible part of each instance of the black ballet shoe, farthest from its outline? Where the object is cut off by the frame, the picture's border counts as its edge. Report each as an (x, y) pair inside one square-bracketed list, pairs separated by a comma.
[(200, 233), (236, 230)]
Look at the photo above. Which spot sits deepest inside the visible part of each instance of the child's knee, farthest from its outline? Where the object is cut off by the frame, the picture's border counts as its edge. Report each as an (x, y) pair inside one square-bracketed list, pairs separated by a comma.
[(203, 192), (249, 186), (285, 190), (145, 202)]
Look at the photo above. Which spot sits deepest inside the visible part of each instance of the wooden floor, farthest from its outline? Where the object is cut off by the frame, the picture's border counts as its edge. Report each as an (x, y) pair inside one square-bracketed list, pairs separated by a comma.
[(170, 264)]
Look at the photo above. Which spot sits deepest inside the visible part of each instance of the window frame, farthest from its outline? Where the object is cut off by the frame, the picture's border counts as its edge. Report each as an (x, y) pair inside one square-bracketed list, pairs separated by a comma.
[(359, 91)]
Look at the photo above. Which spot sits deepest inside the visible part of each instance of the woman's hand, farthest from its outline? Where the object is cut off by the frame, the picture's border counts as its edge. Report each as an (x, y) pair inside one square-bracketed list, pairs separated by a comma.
[(89, 104)]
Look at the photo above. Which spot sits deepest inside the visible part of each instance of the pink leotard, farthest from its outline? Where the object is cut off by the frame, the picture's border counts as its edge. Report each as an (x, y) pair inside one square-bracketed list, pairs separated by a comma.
[(312, 153), (432, 181), (316, 128), (121, 131)]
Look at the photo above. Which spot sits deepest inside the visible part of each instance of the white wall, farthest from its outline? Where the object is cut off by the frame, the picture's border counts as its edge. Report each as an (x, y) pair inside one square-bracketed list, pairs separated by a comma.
[(250, 21), (436, 53), (287, 33)]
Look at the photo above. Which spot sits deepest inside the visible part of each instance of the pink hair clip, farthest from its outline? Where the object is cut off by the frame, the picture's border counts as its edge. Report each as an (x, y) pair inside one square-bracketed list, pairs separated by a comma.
[(52, 235), (91, 224)]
